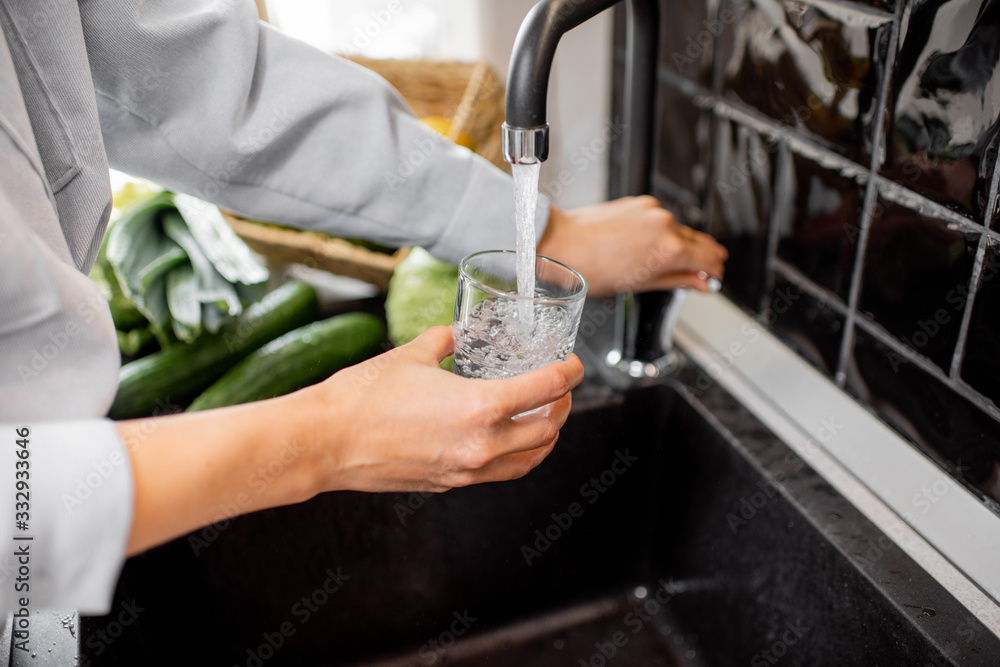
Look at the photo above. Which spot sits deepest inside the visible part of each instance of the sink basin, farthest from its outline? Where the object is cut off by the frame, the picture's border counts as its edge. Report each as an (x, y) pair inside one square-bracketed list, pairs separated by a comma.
[(668, 527)]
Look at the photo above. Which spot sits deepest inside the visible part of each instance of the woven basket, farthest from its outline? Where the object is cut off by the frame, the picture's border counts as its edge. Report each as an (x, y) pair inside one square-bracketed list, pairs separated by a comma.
[(470, 95)]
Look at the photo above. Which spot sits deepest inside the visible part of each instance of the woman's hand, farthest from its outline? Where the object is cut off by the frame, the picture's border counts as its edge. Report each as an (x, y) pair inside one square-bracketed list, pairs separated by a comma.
[(632, 245), (397, 422)]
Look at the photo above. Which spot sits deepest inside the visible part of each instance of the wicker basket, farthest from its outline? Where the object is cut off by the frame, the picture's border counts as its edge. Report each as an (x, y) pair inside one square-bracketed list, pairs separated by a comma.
[(471, 95)]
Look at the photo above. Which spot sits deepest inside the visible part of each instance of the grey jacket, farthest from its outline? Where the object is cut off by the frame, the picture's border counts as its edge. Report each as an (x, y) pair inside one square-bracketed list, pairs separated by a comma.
[(200, 97)]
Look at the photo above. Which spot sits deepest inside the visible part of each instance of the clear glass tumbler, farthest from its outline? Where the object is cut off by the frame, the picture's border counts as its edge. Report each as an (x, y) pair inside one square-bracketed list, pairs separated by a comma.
[(500, 334)]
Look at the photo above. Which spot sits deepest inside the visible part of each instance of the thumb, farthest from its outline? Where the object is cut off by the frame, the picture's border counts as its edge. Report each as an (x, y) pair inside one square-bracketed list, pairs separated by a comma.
[(433, 345)]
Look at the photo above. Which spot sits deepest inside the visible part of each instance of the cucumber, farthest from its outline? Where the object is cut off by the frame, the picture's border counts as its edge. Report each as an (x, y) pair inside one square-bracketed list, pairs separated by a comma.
[(298, 359), (180, 372)]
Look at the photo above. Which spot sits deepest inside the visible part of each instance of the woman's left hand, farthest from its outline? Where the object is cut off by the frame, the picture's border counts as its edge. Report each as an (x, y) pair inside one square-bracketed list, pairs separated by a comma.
[(632, 245)]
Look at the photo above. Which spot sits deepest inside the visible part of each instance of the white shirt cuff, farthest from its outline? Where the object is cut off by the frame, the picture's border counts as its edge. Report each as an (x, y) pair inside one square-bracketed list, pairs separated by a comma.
[(79, 515)]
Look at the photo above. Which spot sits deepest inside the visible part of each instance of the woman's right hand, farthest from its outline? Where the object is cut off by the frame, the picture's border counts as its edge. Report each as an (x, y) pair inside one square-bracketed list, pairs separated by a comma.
[(397, 422)]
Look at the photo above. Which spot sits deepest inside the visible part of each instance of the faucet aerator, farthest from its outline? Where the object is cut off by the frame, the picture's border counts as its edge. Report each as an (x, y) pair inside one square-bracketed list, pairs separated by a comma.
[(525, 145)]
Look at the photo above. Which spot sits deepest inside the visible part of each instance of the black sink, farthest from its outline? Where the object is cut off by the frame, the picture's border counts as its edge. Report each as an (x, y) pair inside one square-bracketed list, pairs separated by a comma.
[(669, 527)]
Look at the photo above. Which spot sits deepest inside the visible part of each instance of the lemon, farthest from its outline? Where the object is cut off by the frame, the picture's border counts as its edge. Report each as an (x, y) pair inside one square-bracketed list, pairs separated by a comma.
[(443, 126)]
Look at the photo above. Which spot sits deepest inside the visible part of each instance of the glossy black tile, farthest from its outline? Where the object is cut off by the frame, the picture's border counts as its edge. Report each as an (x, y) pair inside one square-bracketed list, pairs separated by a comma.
[(680, 203), (981, 367), (687, 37), (945, 102), (682, 142), (916, 271), (821, 232), (817, 68), (813, 69), (959, 436), (740, 207), (811, 327)]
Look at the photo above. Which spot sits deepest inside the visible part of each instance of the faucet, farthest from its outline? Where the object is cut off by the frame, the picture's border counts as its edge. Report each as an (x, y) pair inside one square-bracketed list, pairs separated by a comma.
[(643, 350)]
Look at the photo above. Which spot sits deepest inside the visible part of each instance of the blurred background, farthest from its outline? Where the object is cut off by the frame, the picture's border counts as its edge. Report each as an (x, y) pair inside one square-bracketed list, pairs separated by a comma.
[(478, 30)]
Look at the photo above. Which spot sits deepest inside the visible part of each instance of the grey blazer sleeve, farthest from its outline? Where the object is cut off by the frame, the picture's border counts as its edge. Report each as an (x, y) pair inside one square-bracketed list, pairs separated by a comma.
[(205, 99), (59, 368)]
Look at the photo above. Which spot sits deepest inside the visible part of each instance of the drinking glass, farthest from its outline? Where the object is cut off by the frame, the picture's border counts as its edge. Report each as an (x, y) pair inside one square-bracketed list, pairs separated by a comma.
[(500, 334)]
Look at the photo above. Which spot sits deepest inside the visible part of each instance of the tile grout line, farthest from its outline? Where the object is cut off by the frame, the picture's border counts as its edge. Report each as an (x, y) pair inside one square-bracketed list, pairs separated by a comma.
[(811, 149), (977, 400), (715, 70), (970, 299), (713, 94), (710, 177), (827, 298), (803, 145), (871, 190), (676, 192), (665, 77), (826, 158), (846, 340), (715, 82), (977, 270), (792, 274), (779, 214), (900, 194)]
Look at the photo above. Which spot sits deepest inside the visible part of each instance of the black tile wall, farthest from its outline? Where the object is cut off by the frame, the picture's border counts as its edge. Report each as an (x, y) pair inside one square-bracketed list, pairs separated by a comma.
[(916, 270), (811, 136), (821, 234), (690, 31), (683, 134), (981, 366), (964, 440), (741, 203), (816, 70), (944, 109), (809, 325)]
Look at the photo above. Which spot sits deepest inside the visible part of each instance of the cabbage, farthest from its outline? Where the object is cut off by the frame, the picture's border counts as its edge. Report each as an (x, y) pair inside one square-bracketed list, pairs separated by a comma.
[(421, 295)]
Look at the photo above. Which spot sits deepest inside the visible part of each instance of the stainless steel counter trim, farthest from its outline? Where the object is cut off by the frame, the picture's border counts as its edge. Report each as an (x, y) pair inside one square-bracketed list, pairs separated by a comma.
[(930, 516)]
